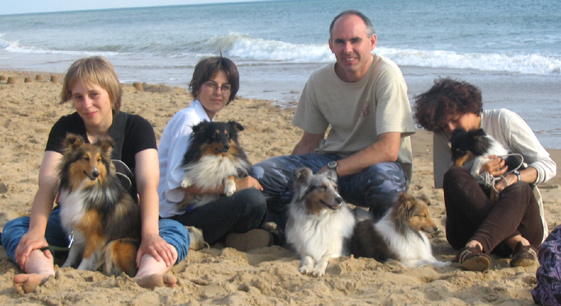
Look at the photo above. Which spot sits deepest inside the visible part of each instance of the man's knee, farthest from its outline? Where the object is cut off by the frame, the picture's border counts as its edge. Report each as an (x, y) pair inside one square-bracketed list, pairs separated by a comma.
[(378, 187), (271, 174)]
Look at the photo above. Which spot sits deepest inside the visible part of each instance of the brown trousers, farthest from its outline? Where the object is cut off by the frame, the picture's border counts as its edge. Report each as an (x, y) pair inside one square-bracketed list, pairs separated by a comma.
[(471, 215)]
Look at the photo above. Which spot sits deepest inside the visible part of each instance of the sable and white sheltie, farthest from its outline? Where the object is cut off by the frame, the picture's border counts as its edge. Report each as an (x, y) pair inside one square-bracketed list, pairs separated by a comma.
[(101, 214), (477, 145), (214, 159), (319, 221), (398, 235)]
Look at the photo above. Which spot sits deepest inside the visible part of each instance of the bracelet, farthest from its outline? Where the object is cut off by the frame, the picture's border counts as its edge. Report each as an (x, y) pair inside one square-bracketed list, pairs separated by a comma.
[(517, 173)]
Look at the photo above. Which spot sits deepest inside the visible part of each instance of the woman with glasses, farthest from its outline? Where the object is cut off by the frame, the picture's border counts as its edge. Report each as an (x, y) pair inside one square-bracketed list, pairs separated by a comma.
[(236, 220)]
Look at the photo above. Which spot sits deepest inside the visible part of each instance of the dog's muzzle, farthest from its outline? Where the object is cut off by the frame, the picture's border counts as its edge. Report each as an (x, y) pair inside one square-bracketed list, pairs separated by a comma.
[(337, 205), (224, 149), (94, 174)]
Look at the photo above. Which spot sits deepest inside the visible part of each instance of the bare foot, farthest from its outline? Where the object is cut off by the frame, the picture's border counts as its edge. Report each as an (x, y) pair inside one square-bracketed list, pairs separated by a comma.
[(26, 283), (156, 280)]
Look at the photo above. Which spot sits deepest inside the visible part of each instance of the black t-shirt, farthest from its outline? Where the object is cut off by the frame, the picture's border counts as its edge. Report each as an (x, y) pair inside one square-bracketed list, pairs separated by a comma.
[(139, 135)]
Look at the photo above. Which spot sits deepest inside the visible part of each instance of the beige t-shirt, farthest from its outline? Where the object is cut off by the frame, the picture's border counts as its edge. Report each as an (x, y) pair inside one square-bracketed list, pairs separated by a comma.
[(357, 112)]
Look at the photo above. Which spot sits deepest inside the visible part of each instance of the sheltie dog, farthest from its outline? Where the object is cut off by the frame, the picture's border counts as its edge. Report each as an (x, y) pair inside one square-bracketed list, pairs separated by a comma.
[(399, 235), (319, 221), (214, 158), (96, 209), (477, 145)]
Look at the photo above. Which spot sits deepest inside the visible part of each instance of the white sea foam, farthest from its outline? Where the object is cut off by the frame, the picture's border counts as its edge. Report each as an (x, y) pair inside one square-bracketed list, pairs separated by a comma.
[(244, 47)]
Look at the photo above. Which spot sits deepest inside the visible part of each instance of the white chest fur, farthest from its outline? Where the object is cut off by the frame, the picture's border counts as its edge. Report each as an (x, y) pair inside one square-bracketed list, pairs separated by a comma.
[(72, 208)]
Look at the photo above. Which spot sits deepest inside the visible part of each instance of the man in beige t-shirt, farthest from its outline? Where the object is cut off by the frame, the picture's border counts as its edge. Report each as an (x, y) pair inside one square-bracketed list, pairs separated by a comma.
[(363, 98)]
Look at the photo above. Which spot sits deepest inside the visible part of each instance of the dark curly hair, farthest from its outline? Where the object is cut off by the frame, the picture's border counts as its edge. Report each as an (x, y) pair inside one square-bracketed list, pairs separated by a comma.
[(207, 68), (446, 98)]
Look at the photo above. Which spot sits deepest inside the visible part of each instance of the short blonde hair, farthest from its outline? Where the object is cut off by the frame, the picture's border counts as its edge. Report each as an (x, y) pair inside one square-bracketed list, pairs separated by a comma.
[(93, 70)]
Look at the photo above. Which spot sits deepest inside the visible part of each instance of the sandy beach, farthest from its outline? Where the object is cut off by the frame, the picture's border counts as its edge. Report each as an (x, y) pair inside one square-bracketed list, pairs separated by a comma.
[(225, 276)]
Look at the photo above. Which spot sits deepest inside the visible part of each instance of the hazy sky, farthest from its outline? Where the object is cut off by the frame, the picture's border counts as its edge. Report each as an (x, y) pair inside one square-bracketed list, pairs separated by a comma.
[(40, 6)]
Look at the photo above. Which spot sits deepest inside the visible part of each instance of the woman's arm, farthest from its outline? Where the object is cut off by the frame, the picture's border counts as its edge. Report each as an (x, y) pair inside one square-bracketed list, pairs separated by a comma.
[(147, 176), (41, 208), (521, 139)]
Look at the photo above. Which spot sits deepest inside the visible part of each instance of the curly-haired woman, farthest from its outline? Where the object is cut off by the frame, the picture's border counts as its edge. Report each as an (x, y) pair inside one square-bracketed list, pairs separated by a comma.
[(478, 223)]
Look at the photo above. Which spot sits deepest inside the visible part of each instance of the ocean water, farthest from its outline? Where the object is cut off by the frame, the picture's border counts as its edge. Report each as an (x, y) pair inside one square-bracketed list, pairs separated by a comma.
[(511, 49)]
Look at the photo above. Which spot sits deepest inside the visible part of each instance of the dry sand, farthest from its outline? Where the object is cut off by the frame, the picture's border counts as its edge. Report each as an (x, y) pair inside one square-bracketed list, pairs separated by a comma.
[(220, 276)]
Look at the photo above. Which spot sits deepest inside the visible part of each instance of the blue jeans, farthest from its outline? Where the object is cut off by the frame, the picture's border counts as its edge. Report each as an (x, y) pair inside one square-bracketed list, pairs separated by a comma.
[(171, 231), (376, 187), (244, 210)]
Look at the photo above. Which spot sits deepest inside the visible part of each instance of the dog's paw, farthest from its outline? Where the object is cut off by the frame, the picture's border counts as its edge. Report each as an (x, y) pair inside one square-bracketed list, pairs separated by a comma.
[(318, 272), (305, 270), (186, 182), (438, 263), (321, 266), (229, 187)]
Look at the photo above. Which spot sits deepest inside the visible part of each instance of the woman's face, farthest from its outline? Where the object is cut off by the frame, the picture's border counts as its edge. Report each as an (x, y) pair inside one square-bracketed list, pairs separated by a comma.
[(214, 93), (468, 121), (93, 105)]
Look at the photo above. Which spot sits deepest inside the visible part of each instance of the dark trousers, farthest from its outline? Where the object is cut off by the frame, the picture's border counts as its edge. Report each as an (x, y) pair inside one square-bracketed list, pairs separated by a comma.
[(471, 215), (244, 210)]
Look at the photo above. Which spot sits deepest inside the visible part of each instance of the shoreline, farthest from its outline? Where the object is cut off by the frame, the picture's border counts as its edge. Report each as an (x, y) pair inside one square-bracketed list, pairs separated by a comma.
[(218, 275), (534, 97)]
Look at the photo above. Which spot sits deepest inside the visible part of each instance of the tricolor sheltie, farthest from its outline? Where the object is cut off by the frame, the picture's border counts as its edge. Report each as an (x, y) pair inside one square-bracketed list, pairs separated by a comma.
[(477, 145), (214, 158), (398, 235), (319, 221), (101, 214)]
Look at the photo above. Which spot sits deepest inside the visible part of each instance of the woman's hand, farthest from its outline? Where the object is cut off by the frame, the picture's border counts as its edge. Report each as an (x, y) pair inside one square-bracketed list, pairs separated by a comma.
[(156, 246), (496, 166), (248, 182), (28, 243)]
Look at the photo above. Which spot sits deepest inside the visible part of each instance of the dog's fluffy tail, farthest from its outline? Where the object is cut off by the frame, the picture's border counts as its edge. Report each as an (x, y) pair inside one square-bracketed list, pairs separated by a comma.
[(120, 256)]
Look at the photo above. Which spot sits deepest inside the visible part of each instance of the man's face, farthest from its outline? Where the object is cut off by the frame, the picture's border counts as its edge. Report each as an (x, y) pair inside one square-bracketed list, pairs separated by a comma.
[(352, 47)]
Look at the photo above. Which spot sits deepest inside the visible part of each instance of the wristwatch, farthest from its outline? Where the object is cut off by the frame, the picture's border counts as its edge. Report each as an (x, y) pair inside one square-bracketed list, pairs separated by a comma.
[(517, 173), (332, 165)]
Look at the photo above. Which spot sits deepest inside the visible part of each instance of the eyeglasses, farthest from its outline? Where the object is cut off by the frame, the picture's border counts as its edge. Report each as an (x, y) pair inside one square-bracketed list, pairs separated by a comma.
[(225, 88)]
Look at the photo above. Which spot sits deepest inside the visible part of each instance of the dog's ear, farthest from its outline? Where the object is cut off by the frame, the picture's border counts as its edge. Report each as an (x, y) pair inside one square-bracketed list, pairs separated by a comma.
[(199, 127), (457, 133), (236, 125), (331, 174), (73, 141), (423, 197), (478, 132), (106, 145), (404, 206), (302, 179), (481, 142)]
